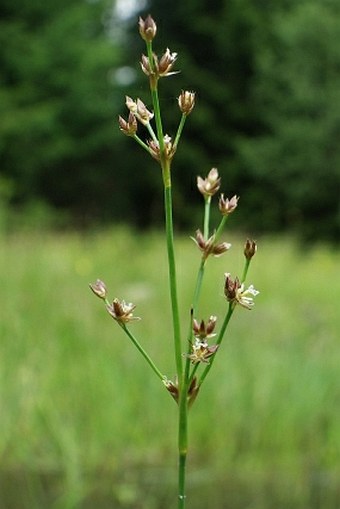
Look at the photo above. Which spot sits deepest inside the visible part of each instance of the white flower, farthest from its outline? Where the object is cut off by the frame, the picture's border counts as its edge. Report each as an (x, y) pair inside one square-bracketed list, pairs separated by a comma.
[(245, 297), (236, 293)]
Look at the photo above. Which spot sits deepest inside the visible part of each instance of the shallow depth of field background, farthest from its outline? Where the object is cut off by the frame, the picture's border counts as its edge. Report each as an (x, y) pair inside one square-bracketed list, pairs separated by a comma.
[(84, 422)]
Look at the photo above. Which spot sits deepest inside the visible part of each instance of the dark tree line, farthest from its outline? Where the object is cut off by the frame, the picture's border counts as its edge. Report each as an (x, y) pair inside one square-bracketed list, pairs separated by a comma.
[(267, 78)]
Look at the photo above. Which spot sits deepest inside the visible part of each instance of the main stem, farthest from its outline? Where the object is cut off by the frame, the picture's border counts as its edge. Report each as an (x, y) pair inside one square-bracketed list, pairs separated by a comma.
[(172, 277), (183, 436), (182, 377)]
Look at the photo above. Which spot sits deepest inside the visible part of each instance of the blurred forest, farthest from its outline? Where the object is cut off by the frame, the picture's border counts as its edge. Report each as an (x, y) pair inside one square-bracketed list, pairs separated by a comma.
[(267, 78)]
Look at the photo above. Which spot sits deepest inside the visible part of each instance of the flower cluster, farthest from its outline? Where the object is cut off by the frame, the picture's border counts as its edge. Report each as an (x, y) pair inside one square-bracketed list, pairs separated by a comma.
[(227, 206), (200, 350), (147, 28), (155, 68), (173, 389), (139, 110), (193, 366), (121, 311), (169, 148), (159, 68), (186, 102), (210, 246), (162, 148), (211, 184), (99, 289), (236, 292)]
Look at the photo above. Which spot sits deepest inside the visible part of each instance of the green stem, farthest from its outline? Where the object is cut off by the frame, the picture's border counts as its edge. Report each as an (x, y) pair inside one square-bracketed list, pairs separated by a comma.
[(151, 132), (181, 480), (155, 99), (172, 275), (198, 287), (143, 352), (183, 435), (218, 342), (141, 143), (220, 227), (180, 129), (206, 217), (245, 270)]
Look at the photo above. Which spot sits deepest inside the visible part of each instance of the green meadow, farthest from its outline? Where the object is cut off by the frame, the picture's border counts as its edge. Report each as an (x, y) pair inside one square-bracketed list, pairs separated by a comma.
[(85, 423)]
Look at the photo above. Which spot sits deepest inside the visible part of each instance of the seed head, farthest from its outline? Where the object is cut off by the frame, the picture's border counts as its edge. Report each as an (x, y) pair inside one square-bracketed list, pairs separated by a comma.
[(121, 311), (145, 65), (128, 127), (186, 102), (169, 148), (166, 63), (193, 389), (231, 287), (250, 249), (209, 246), (172, 388), (139, 109), (236, 293), (99, 289), (159, 69), (210, 185), (227, 206), (147, 28), (204, 331), (200, 352)]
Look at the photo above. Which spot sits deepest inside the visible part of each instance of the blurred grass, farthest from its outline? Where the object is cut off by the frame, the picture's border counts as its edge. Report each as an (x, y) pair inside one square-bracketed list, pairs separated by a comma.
[(84, 419)]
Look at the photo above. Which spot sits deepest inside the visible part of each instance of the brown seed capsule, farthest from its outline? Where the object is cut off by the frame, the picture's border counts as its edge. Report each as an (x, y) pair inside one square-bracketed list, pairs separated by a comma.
[(166, 63), (210, 185), (250, 249), (236, 293), (227, 206), (230, 287), (201, 352), (147, 28), (204, 331), (186, 102), (128, 127), (169, 148), (99, 289), (209, 246), (121, 311)]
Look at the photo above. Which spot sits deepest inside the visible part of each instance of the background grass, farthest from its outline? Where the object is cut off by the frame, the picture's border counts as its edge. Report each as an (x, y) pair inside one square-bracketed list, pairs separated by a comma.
[(85, 423)]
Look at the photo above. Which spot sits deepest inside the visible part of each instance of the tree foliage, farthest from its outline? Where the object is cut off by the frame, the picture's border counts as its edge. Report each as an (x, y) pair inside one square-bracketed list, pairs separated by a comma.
[(57, 104), (267, 79)]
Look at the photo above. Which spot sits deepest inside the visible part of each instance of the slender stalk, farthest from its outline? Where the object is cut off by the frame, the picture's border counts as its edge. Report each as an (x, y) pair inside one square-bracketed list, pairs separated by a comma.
[(183, 435), (186, 380), (151, 131), (180, 129), (220, 227), (245, 270), (183, 388), (181, 480), (198, 286), (165, 164), (173, 279), (141, 143), (143, 352), (155, 99), (206, 217)]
